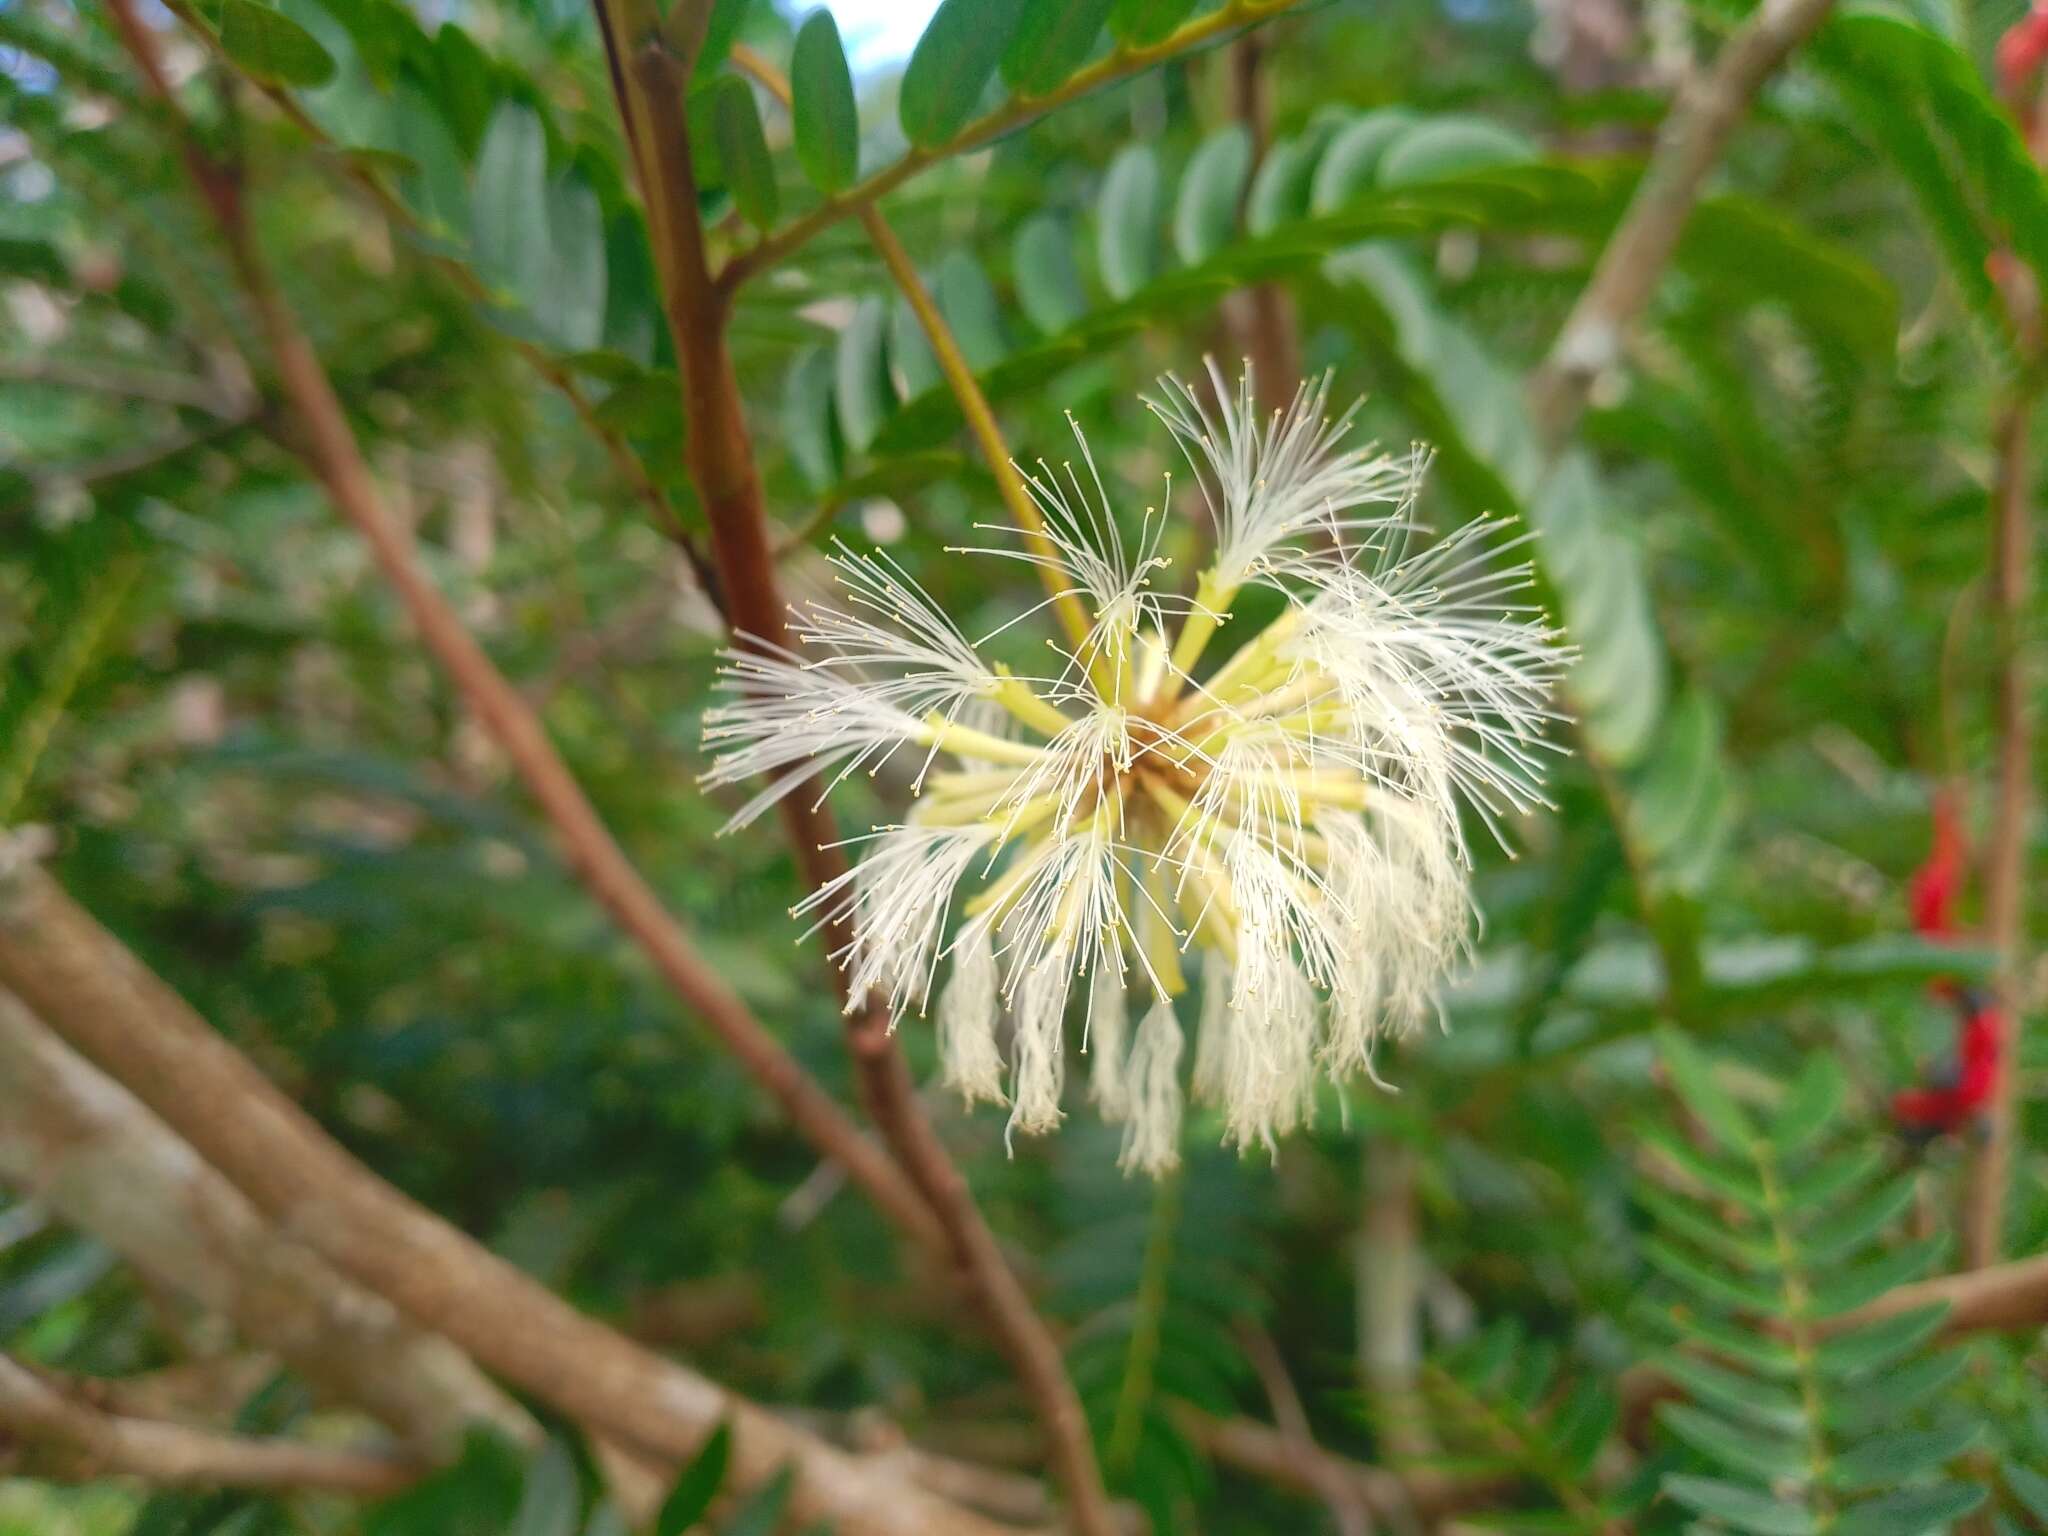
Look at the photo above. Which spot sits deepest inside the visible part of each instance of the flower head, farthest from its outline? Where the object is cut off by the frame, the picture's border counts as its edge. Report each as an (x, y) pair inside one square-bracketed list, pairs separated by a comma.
[(1295, 813)]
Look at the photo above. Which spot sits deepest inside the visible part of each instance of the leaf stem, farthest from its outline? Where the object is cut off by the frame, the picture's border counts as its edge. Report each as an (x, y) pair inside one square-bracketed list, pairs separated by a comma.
[(1142, 1358)]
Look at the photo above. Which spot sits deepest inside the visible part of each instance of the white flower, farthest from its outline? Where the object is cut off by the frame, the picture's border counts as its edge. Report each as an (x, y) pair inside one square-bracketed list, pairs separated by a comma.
[(1295, 813)]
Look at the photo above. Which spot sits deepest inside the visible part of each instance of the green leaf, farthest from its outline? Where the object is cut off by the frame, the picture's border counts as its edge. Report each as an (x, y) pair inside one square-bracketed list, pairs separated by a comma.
[(1880, 1345), (1740, 1507), (1142, 23), (1836, 1237), (1205, 213), (968, 303), (1810, 1107), (2027, 1486), (570, 303), (1887, 1460), (698, 1485), (1910, 1512), (911, 362), (1052, 40), (761, 1515), (1769, 1458), (1719, 1231), (509, 210), (1707, 1283), (1693, 1079), (824, 115), (1881, 1404), (438, 186), (1670, 791), (807, 417), (1741, 1343), (273, 47), (1765, 1404), (743, 150), (1127, 221), (1349, 168), (551, 1501), (720, 32), (951, 64), (1828, 1181), (860, 382), (1048, 282), (1443, 147), (1737, 1184), (1280, 189), (1584, 1425), (1850, 1289)]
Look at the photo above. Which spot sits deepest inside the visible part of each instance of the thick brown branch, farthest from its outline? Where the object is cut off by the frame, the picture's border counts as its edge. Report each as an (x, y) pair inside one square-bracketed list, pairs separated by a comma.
[(1692, 139), (55, 1436), (85, 985), (83, 1146)]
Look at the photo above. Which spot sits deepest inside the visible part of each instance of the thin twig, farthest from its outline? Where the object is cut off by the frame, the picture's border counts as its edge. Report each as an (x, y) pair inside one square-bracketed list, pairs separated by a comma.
[(1692, 139), (1348, 1508), (2005, 894), (121, 382), (60, 1437)]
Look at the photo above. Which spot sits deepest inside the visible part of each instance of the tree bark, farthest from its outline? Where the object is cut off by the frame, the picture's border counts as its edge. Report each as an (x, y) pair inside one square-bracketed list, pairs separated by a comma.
[(80, 1143)]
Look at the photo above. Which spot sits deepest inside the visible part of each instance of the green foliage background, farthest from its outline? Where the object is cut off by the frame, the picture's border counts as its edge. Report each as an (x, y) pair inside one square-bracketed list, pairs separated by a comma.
[(1767, 542)]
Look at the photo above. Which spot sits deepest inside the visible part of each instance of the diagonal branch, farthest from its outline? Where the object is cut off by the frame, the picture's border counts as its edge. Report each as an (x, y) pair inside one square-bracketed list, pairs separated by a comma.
[(83, 983), (55, 1435), (87, 1150), (1692, 139)]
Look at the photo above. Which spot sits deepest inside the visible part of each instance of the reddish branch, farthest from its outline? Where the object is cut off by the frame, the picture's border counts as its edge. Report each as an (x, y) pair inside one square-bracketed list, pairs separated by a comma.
[(86, 986), (650, 79), (1690, 142)]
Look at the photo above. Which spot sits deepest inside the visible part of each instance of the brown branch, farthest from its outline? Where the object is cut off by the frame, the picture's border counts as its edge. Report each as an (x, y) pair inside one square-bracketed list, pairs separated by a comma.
[(82, 1146), (56, 1436), (1998, 1298), (1348, 1509), (91, 990), (330, 449), (1244, 1445), (1692, 139), (723, 467), (1262, 316), (2005, 892)]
